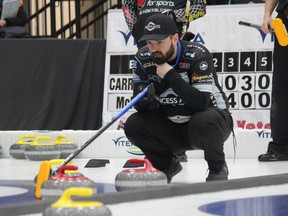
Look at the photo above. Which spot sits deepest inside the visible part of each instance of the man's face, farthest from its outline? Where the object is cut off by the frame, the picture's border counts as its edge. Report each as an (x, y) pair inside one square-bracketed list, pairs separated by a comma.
[(161, 50)]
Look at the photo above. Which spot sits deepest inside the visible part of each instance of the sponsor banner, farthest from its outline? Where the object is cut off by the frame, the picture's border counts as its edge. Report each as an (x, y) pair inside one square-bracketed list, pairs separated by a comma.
[(111, 144), (119, 38), (242, 58), (219, 29), (251, 119), (250, 144)]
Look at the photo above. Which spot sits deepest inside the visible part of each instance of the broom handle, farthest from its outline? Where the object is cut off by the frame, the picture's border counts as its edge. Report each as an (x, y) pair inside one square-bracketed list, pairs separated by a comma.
[(253, 25), (186, 18), (115, 118)]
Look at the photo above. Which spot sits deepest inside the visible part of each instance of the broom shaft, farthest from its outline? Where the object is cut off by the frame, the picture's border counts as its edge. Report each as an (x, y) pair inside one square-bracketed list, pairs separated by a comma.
[(115, 118)]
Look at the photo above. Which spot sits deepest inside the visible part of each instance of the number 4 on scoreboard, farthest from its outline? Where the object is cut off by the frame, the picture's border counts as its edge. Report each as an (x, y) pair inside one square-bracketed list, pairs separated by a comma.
[(233, 100)]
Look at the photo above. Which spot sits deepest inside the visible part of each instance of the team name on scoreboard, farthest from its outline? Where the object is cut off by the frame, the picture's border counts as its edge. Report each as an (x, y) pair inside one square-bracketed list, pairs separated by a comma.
[(119, 92), (120, 83)]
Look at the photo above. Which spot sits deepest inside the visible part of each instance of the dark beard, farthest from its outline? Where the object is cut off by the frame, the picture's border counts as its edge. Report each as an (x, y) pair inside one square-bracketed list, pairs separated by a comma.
[(162, 59)]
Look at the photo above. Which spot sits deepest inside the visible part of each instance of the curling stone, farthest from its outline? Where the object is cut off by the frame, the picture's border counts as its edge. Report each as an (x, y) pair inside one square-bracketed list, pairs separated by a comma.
[(37, 151), (66, 206), (66, 148), (148, 176), (45, 172), (56, 184), (17, 149)]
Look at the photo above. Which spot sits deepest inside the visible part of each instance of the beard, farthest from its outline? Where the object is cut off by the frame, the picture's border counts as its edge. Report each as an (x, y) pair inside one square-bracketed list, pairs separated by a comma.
[(159, 58)]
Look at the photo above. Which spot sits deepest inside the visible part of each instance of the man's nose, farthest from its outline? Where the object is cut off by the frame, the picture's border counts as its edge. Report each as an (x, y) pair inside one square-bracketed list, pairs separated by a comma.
[(153, 48)]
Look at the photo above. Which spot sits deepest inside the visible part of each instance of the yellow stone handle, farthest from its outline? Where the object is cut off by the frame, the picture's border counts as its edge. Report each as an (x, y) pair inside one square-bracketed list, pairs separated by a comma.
[(65, 200), (21, 139), (37, 139), (60, 138), (58, 162), (280, 31)]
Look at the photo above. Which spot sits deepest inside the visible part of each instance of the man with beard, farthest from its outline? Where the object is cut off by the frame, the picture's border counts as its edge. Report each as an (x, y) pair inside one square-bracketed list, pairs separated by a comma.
[(182, 11), (185, 108)]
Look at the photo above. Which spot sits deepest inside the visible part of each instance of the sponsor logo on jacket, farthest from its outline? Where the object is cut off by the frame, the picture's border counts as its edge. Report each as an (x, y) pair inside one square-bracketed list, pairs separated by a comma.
[(169, 97), (190, 54)]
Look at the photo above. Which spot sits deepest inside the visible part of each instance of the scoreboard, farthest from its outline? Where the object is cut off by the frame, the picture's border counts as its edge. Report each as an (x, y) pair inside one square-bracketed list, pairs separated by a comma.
[(246, 78)]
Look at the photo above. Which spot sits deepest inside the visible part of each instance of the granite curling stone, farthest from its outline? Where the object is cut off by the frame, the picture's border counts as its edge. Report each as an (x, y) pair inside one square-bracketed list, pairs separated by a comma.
[(37, 151), (65, 206), (57, 184), (66, 148), (148, 176), (17, 149)]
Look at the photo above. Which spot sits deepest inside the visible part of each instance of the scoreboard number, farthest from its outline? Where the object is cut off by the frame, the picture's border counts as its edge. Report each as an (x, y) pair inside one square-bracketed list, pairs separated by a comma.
[(217, 60), (247, 61), (231, 62), (264, 61), (230, 83), (233, 100), (263, 82), (246, 82), (262, 100), (246, 100)]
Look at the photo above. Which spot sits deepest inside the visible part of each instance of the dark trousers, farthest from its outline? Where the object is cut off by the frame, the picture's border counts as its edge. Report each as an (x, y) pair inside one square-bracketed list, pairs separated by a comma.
[(279, 107), (158, 137)]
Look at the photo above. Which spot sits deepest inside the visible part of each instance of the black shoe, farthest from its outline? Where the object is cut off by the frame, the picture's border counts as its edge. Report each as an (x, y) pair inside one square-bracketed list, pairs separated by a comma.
[(181, 156), (173, 168), (220, 175), (273, 156)]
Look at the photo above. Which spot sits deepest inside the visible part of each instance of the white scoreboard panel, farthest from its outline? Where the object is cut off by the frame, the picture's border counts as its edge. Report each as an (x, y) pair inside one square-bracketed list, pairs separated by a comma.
[(246, 78)]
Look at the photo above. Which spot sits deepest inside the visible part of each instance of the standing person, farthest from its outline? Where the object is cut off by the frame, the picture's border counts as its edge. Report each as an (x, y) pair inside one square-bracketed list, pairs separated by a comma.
[(13, 25), (183, 11), (185, 108), (137, 11), (278, 147)]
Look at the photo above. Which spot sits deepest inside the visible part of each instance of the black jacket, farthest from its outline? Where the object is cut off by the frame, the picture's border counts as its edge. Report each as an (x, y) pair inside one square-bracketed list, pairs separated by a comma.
[(191, 86), (282, 6)]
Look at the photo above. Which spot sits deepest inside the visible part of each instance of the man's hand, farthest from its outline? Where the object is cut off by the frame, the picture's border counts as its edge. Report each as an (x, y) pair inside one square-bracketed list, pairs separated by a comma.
[(150, 96), (163, 69), (266, 25), (3, 23)]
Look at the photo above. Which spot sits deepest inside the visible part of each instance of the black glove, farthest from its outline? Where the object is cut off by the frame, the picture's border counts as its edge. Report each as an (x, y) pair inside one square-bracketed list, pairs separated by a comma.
[(150, 95), (149, 101)]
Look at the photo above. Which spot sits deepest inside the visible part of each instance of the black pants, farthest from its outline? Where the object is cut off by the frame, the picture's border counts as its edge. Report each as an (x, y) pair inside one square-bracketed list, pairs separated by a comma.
[(279, 107), (158, 137)]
